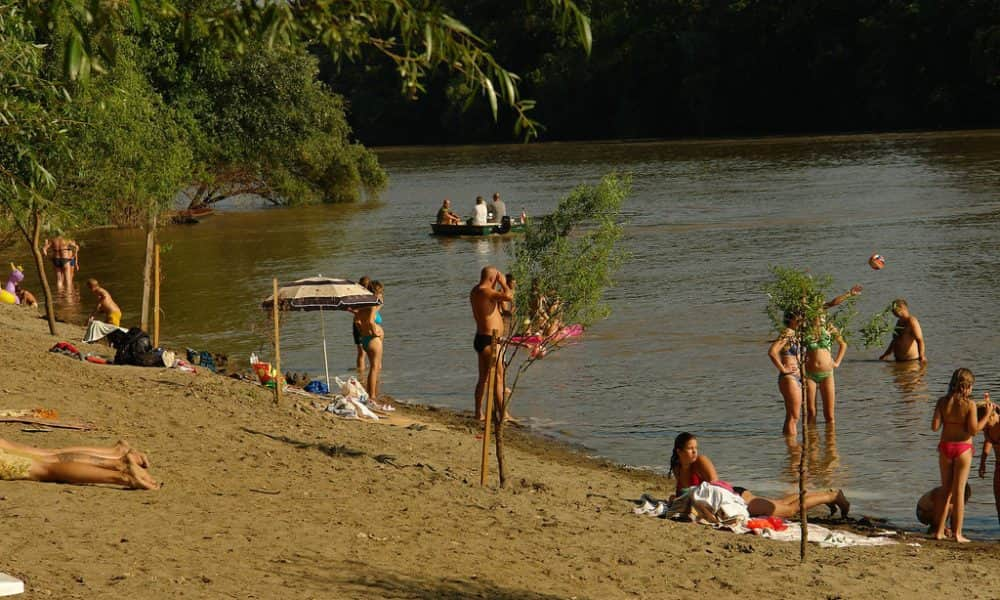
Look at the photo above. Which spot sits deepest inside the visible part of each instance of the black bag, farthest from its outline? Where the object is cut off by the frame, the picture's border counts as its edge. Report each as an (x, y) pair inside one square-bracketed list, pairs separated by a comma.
[(133, 348)]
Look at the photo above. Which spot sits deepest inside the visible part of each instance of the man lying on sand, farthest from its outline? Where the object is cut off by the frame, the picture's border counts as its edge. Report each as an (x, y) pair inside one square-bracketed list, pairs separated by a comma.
[(117, 465)]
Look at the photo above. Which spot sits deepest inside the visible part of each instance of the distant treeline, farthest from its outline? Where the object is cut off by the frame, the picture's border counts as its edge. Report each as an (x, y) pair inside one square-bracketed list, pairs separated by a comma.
[(663, 68)]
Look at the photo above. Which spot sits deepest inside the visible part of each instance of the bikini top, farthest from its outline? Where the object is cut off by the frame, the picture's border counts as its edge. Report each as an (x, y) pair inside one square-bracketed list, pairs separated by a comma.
[(824, 342), (791, 349)]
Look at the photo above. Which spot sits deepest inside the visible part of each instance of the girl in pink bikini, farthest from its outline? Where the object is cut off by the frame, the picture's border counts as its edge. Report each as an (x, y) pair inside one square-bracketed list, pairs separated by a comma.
[(956, 411)]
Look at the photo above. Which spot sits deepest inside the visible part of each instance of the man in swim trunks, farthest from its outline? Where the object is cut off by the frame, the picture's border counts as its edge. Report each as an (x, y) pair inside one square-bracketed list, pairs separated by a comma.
[(65, 258), (907, 338), (488, 299), (105, 304), (445, 216)]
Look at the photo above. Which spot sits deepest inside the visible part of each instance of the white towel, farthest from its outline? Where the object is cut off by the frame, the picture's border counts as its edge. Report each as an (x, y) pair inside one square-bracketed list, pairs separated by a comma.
[(98, 330)]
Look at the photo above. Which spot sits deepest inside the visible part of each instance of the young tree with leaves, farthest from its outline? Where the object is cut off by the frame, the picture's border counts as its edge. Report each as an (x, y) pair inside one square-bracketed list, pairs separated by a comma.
[(574, 253)]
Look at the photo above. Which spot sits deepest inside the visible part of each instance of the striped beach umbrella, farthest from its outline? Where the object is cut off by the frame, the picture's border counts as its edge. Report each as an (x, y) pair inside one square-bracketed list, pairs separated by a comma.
[(322, 294)]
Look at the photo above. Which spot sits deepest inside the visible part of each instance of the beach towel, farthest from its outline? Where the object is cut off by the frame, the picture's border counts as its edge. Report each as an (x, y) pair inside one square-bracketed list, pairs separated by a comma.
[(98, 330), (317, 387), (10, 586), (66, 348), (716, 502)]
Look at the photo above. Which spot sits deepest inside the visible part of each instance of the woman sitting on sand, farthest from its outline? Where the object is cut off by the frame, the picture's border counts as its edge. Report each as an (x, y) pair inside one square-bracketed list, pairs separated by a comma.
[(689, 468), (118, 465), (956, 412), (784, 353)]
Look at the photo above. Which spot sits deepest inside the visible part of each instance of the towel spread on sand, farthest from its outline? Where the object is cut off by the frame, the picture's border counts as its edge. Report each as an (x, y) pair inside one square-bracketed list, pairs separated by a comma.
[(98, 330)]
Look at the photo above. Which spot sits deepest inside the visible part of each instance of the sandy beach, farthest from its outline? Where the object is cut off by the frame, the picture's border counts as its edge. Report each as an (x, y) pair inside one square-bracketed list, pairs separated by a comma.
[(262, 501)]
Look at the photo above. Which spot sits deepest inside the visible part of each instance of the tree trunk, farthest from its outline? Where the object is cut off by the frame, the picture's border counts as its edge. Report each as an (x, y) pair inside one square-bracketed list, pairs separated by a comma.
[(147, 270), (36, 234)]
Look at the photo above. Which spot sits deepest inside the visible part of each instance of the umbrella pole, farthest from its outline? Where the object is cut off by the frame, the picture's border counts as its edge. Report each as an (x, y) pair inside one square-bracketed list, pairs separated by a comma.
[(280, 379), (326, 363)]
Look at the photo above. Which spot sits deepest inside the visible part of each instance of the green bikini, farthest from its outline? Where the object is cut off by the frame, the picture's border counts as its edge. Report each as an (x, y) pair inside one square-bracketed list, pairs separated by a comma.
[(824, 342)]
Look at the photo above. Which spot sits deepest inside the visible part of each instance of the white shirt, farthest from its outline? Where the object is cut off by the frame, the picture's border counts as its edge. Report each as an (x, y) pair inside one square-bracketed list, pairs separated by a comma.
[(479, 218)]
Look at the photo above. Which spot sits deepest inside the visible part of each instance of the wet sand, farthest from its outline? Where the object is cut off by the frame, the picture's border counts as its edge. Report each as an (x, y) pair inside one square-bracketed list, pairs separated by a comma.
[(284, 502)]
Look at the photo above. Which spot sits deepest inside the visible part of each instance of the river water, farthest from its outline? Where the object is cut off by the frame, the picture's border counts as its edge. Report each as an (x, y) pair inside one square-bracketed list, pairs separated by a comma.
[(685, 348)]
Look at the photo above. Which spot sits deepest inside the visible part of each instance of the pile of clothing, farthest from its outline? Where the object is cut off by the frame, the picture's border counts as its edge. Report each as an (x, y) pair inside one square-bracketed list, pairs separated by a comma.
[(353, 402)]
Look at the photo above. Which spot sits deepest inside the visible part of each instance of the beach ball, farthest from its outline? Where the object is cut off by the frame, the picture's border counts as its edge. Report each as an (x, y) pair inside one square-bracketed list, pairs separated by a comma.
[(876, 261)]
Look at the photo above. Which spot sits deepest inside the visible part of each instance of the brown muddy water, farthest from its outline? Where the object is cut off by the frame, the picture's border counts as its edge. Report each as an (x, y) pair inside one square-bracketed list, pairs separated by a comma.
[(685, 348)]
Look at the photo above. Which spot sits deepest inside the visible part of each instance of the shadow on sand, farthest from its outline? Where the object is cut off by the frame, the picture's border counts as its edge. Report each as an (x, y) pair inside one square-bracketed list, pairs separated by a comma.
[(333, 450)]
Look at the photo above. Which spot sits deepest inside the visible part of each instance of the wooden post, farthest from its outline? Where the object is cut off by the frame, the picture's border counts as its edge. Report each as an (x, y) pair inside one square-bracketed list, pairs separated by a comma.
[(277, 345), (804, 418), (156, 296), (490, 383)]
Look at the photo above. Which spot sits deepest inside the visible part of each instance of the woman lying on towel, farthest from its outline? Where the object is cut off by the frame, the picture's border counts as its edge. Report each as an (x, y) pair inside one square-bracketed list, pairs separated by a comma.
[(690, 469), (117, 465)]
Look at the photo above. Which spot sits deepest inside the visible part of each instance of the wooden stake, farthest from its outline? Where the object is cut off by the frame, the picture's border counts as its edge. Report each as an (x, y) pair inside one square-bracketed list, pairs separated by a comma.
[(804, 418), (277, 345), (156, 296), (490, 383)]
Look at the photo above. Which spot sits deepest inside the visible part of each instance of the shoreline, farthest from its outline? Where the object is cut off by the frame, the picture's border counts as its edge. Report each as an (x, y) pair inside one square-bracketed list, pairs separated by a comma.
[(265, 501)]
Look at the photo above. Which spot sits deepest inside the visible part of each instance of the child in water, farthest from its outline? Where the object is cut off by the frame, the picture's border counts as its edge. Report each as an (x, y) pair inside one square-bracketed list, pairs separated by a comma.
[(991, 441), (955, 415), (105, 304)]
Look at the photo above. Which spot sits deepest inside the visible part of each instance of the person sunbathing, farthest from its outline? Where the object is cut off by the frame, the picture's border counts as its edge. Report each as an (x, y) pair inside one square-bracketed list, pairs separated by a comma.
[(689, 468), (116, 465)]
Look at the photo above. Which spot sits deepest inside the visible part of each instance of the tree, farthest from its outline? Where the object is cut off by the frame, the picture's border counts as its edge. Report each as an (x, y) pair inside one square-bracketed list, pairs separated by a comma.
[(799, 293), (574, 253), (33, 127)]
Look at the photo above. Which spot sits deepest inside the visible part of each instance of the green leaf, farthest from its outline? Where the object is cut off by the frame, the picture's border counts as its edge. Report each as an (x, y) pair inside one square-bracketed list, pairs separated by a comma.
[(136, 6), (73, 57), (491, 94)]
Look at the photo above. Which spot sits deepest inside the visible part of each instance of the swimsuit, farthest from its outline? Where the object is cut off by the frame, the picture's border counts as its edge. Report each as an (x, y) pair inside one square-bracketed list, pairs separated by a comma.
[(953, 450), (482, 342), (367, 339), (13, 467), (824, 342), (115, 318), (62, 262), (357, 334), (819, 376)]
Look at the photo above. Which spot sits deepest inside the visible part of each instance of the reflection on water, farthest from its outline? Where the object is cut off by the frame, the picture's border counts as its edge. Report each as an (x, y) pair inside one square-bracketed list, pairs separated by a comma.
[(685, 348), (822, 460)]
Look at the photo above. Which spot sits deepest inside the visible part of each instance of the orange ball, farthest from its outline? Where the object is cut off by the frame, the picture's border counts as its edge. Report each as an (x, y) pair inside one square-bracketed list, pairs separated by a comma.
[(876, 261)]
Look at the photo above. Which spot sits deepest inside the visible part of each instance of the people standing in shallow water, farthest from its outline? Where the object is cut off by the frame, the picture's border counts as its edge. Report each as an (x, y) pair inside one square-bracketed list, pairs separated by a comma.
[(784, 353), (65, 259), (907, 337), (991, 441), (366, 283), (690, 468), (955, 415), (819, 366)]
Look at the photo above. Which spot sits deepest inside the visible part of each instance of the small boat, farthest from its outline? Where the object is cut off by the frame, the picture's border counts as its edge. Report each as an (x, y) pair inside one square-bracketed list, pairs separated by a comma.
[(504, 227)]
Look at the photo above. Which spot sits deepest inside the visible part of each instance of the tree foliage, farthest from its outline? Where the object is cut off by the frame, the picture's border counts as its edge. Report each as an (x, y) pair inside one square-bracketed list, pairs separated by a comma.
[(663, 68), (791, 291)]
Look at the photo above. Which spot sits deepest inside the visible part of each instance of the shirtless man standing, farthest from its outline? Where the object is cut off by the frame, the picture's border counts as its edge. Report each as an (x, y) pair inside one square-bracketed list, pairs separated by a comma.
[(65, 259), (488, 299), (105, 304), (907, 338)]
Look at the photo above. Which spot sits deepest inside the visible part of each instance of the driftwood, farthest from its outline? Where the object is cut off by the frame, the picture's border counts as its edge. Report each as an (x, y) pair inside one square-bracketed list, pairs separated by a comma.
[(48, 423)]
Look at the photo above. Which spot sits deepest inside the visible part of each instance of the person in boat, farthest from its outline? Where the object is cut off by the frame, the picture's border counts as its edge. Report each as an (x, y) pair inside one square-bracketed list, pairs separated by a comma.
[(105, 304), (488, 298), (480, 214), (117, 465), (65, 258), (497, 208), (690, 468), (907, 337), (445, 216), (371, 338)]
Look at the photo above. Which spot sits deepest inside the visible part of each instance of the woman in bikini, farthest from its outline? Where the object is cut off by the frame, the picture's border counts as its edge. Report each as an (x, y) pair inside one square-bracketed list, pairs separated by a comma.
[(955, 415), (689, 468), (820, 364), (118, 465), (991, 441), (370, 336), (784, 353)]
